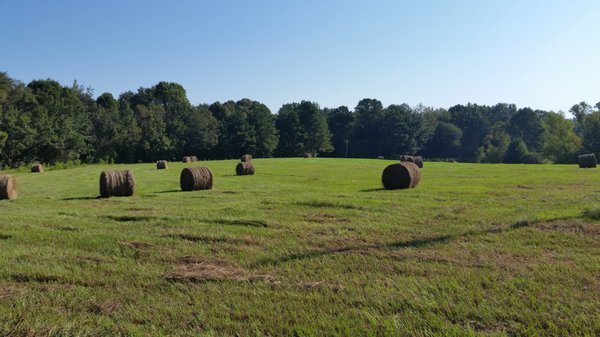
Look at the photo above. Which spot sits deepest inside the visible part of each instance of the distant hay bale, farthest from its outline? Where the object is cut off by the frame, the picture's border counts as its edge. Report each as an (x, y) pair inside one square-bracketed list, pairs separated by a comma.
[(8, 187), (307, 155), (246, 158), (162, 165), (402, 175), (402, 158), (196, 178), (187, 159), (418, 160), (194, 158), (380, 157), (37, 168), (410, 159), (117, 184), (244, 169), (587, 160)]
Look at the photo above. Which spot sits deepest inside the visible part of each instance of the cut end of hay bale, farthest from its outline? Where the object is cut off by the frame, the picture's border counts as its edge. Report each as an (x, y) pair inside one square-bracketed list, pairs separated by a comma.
[(244, 169), (162, 165), (246, 158), (196, 178), (402, 175), (117, 184), (587, 161), (187, 159), (417, 160), (8, 187), (37, 168)]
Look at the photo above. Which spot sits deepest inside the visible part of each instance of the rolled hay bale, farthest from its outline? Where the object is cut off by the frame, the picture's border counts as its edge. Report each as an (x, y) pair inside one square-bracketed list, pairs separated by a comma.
[(401, 175), (380, 157), (244, 169), (587, 160), (162, 165), (194, 158), (187, 159), (307, 155), (402, 158), (418, 160), (8, 187), (117, 184), (196, 178), (37, 168), (246, 158)]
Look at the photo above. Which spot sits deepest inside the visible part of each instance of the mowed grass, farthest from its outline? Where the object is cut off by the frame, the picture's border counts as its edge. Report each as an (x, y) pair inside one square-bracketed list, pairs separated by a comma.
[(306, 247)]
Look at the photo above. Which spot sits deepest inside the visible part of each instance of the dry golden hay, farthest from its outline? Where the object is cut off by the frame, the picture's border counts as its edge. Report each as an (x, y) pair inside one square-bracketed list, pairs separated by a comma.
[(162, 165), (117, 184), (418, 160), (187, 159), (37, 168), (244, 169), (587, 160), (8, 187), (196, 178), (246, 158), (402, 175)]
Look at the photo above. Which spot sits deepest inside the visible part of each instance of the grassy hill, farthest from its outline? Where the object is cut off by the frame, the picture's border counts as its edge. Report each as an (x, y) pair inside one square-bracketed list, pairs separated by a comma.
[(306, 247)]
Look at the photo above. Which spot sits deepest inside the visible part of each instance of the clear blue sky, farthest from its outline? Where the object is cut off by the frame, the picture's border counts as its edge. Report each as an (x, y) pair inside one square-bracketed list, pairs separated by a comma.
[(542, 54)]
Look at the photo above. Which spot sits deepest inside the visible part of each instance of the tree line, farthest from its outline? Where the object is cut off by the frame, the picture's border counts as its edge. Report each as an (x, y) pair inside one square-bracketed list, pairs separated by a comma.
[(46, 122)]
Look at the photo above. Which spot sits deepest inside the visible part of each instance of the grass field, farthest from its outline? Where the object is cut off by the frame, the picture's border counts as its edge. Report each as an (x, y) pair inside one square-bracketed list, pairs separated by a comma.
[(306, 247)]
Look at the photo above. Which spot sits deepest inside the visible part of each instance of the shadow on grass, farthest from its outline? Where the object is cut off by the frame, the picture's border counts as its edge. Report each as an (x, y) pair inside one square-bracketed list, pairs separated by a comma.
[(415, 243), (249, 223), (82, 198), (373, 189), (168, 191)]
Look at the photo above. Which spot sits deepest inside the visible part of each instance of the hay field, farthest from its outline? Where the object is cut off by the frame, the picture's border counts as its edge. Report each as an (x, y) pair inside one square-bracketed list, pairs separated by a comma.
[(305, 247)]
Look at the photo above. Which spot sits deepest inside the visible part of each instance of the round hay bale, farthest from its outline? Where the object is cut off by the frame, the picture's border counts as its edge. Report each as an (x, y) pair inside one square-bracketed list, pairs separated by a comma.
[(37, 168), (117, 184), (418, 160), (194, 158), (187, 159), (410, 159), (380, 157), (587, 160), (196, 178), (401, 175), (8, 187), (244, 169), (246, 158), (402, 158), (307, 155), (162, 165)]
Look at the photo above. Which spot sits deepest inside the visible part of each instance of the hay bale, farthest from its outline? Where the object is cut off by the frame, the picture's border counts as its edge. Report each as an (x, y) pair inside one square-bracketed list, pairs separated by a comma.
[(246, 158), (117, 184), (244, 169), (37, 168), (402, 175), (587, 160), (380, 157), (162, 165), (196, 178), (194, 158), (307, 155), (418, 160), (187, 159), (8, 187)]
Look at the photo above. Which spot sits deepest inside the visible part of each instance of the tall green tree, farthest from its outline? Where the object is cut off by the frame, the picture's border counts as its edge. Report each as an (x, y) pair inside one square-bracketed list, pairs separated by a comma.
[(561, 143)]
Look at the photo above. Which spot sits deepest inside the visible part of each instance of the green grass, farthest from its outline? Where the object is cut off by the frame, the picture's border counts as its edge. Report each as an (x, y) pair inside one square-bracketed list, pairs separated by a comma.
[(306, 247)]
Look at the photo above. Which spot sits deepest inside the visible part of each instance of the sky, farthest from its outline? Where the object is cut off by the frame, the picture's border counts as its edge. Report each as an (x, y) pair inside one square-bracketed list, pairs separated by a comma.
[(533, 53)]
